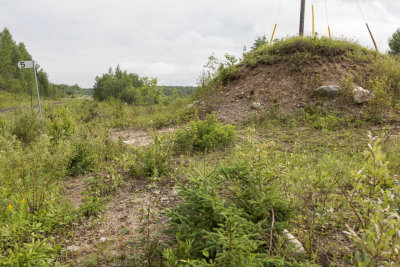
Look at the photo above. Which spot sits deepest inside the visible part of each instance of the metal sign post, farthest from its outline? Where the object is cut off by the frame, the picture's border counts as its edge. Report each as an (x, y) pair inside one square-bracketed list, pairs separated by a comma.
[(28, 65)]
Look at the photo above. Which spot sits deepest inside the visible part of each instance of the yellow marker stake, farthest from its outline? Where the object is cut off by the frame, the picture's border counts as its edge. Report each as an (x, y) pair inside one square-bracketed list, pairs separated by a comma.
[(313, 24), (273, 33), (329, 30)]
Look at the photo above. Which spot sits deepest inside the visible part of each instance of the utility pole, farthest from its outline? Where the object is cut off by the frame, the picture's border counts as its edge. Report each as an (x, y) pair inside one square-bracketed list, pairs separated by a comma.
[(302, 11)]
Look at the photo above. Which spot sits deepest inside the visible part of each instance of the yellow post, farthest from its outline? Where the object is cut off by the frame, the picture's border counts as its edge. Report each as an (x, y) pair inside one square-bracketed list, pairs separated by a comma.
[(329, 30), (313, 24), (273, 33)]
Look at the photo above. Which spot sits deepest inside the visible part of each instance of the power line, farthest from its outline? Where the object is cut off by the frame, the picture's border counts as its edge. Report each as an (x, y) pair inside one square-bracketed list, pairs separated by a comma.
[(266, 24), (279, 11), (362, 13)]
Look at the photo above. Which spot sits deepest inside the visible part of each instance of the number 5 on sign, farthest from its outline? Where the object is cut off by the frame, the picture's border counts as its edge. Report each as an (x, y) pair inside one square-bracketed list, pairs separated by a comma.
[(25, 64)]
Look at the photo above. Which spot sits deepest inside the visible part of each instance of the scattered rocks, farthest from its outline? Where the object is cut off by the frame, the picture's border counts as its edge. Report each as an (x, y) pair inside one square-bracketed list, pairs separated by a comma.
[(361, 95), (256, 105), (328, 90), (73, 248)]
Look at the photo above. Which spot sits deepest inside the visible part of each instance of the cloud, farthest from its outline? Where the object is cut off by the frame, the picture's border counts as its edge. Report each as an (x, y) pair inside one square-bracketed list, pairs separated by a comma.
[(74, 41)]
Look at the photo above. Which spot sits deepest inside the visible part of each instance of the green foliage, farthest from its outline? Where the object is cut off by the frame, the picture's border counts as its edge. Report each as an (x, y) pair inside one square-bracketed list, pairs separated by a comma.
[(383, 98), (81, 160), (152, 160), (15, 80), (61, 126), (346, 88), (72, 90), (129, 88), (27, 127), (233, 216), (394, 43), (375, 199), (259, 42), (201, 135)]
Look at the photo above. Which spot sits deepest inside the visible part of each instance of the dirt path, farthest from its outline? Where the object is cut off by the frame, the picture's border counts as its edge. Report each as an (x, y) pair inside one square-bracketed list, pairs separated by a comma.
[(133, 215), (117, 236)]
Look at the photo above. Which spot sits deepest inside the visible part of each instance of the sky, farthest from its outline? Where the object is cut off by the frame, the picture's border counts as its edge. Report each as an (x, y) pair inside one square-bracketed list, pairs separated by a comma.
[(76, 40)]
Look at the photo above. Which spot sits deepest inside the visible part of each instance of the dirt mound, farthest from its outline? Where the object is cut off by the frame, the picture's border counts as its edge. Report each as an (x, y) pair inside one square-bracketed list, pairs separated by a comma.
[(284, 85)]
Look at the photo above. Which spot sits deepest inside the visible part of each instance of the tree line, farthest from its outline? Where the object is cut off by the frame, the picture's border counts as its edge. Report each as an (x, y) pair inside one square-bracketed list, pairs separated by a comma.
[(15, 80), (133, 89)]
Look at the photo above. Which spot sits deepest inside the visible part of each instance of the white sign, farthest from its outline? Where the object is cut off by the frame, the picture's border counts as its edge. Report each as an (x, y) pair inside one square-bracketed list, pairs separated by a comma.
[(25, 64)]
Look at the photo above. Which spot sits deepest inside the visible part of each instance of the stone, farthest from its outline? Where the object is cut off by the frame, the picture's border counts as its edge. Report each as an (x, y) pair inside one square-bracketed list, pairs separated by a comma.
[(328, 90), (256, 105), (295, 242), (361, 95), (103, 239), (73, 248)]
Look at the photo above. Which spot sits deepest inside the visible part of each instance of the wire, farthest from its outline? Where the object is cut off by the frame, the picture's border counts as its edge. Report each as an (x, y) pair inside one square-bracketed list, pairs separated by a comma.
[(266, 24), (279, 11), (326, 12), (362, 13)]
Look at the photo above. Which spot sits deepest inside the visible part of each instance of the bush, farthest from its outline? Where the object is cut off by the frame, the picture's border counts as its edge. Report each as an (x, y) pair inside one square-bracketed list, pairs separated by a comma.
[(81, 159), (233, 216), (27, 127), (61, 126), (375, 200), (152, 160), (201, 135)]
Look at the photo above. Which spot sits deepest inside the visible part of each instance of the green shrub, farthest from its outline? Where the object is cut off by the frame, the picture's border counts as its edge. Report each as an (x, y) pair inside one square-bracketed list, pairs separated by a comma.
[(201, 135), (375, 199), (382, 100), (27, 127), (233, 216), (81, 160), (152, 160), (61, 126)]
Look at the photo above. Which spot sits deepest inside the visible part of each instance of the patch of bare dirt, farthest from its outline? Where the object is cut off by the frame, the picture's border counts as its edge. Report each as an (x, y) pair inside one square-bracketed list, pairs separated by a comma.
[(282, 85), (138, 137), (73, 189), (132, 214)]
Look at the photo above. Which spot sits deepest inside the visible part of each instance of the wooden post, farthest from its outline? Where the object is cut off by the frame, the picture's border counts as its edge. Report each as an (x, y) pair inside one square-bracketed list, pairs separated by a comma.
[(313, 22), (302, 12), (273, 33), (372, 37), (329, 30)]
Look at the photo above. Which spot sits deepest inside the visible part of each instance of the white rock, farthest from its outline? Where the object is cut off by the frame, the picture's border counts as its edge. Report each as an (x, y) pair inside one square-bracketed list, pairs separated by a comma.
[(296, 243), (256, 105), (103, 239), (73, 248), (361, 95)]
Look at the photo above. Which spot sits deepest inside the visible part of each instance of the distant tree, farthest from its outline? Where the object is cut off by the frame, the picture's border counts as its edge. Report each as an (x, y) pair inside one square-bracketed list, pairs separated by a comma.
[(394, 42), (129, 88), (12, 79)]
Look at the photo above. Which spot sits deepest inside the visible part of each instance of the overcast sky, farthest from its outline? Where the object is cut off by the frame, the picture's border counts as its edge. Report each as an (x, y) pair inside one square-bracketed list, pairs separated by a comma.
[(76, 40)]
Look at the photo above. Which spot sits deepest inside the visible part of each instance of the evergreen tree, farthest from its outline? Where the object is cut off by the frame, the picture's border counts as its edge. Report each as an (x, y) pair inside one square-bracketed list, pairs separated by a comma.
[(394, 43), (13, 79)]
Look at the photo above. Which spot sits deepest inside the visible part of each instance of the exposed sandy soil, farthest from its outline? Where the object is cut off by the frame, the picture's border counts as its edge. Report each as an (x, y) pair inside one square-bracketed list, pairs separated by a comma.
[(124, 223), (138, 137), (73, 188), (283, 85), (116, 234)]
